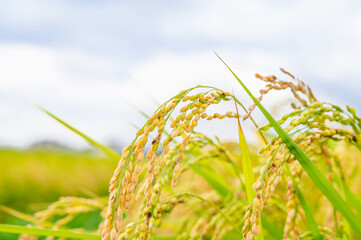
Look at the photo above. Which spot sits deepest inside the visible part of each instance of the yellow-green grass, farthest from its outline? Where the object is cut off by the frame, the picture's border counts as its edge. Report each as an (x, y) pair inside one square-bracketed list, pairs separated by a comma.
[(30, 179)]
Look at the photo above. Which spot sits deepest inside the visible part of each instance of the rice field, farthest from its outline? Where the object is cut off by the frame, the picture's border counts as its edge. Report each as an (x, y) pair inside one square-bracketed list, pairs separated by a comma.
[(173, 182)]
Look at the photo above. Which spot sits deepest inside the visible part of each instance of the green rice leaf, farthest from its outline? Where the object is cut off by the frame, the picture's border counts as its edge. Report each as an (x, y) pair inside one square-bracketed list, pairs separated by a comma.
[(18, 214), (274, 232), (6, 228), (246, 162), (111, 153), (312, 170), (213, 179), (46, 232), (351, 198), (23, 216), (311, 221), (247, 167)]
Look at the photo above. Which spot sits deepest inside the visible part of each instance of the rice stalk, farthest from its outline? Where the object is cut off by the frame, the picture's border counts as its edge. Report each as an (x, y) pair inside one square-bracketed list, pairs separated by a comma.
[(312, 170)]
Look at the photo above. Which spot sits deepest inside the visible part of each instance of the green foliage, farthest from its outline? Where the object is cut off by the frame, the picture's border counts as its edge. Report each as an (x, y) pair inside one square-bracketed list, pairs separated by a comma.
[(111, 153)]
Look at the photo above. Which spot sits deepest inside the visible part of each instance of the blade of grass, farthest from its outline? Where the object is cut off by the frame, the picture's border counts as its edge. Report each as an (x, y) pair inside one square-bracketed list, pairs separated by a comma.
[(311, 221), (247, 167), (246, 162), (274, 232), (112, 154), (23, 216), (351, 198), (312, 170), (213, 179), (46, 232), (18, 214)]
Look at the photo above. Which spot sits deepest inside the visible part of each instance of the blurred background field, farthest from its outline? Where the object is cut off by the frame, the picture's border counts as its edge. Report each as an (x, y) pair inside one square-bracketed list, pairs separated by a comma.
[(31, 179)]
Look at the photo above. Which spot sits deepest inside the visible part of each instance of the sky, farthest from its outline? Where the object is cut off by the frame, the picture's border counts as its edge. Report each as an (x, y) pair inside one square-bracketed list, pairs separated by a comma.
[(93, 63)]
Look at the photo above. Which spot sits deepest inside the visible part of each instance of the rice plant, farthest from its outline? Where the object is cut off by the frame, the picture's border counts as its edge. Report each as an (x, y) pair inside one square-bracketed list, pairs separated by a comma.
[(173, 182)]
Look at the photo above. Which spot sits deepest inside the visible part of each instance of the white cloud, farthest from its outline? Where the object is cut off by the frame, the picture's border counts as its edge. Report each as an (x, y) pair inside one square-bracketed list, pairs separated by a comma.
[(76, 85), (321, 38), (101, 53), (93, 102)]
